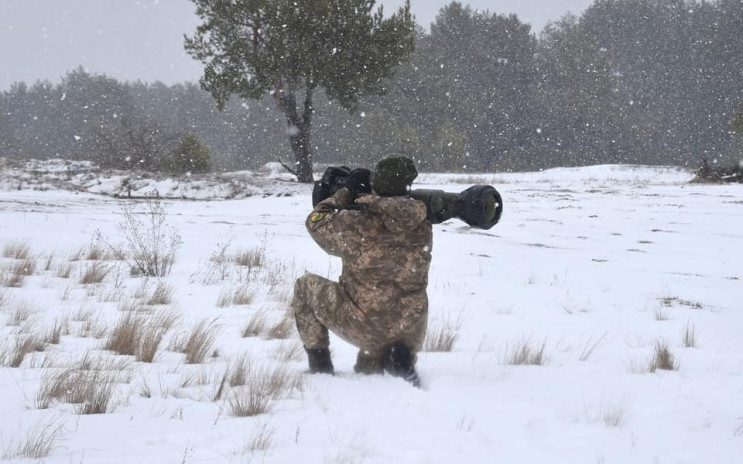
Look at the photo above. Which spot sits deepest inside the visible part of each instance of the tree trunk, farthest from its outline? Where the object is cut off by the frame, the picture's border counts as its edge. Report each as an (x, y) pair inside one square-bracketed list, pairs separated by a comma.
[(299, 130)]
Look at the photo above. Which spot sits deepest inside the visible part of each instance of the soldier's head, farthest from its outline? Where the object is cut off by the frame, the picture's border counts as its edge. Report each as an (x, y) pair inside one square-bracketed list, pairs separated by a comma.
[(393, 176)]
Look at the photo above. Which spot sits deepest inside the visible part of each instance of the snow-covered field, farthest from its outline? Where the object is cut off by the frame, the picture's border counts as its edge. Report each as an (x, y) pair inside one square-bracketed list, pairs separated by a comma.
[(597, 269)]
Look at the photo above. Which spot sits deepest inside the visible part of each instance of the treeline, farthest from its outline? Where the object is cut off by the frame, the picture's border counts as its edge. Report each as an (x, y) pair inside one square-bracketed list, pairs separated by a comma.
[(629, 81)]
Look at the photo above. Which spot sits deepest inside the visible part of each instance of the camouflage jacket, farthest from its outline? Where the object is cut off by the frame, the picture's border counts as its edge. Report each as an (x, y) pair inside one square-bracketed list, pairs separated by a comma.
[(385, 246)]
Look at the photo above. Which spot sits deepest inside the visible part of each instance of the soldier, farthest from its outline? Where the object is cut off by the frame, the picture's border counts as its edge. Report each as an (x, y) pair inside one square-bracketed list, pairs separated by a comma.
[(380, 303)]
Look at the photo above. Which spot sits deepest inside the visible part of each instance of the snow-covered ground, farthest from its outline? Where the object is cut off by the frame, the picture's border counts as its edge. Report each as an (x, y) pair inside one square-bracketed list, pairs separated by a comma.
[(84, 176), (600, 266)]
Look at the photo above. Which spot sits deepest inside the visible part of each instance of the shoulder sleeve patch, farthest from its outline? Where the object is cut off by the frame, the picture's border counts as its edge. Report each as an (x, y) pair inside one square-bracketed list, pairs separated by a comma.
[(314, 217)]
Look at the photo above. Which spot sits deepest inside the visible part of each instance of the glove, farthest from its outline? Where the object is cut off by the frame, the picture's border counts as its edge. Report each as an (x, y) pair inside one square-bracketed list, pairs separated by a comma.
[(329, 183), (358, 182)]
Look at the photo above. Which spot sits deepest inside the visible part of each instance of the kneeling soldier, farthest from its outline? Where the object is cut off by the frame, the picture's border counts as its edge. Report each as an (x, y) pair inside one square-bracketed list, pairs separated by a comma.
[(380, 303)]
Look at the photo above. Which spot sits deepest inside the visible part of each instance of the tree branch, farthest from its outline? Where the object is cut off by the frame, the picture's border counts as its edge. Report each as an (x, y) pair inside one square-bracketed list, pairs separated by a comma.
[(288, 168)]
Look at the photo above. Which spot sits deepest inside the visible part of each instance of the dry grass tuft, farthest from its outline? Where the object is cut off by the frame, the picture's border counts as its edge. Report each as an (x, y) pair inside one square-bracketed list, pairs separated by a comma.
[(95, 273), (64, 271), (199, 342), (235, 375), (278, 273), (40, 441), (195, 378), (17, 249), (89, 386), (257, 324), (19, 311), (225, 299), (739, 430), (161, 295), (282, 294), (441, 338), (110, 295), (83, 314), (283, 381), (14, 275), (250, 258), (222, 387), (12, 355), (92, 326), (98, 252), (689, 338), (662, 358), (54, 335), (153, 333), (48, 262), (661, 314), (139, 335), (77, 254), (24, 267), (143, 290), (144, 389), (281, 330), (132, 306), (288, 352), (612, 414), (614, 417), (242, 295), (263, 387), (9, 280), (261, 440), (590, 347), (239, 373), (124, 338), (526, 353)]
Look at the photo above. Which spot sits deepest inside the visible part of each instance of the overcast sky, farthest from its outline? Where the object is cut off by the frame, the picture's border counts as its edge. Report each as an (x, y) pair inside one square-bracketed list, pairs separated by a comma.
[(143, 39)]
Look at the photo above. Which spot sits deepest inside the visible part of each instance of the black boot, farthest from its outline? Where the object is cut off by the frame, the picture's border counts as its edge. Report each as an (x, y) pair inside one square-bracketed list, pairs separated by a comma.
[(398, 361), (319, 359)]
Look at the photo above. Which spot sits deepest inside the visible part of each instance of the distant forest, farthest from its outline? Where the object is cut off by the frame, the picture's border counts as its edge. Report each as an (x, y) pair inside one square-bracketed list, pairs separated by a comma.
[(629, 81)]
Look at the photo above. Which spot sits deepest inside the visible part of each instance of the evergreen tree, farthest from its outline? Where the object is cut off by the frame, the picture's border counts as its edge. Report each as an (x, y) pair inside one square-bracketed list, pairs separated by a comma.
[(251, 48), (577, 93), (8, 142), (190, 156), (652, 45), (86, 108), (474, 77)]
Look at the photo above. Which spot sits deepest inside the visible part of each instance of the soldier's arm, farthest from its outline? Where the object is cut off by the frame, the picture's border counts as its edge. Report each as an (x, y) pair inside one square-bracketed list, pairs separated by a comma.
[(330, 222)]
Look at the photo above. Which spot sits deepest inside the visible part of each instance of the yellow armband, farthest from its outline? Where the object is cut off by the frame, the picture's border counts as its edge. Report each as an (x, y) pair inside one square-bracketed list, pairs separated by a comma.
[(314, 217)]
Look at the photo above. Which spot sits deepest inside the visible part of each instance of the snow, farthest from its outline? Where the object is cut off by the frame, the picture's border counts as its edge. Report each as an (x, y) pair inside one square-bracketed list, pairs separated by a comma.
[(598, 264), (84, 176)]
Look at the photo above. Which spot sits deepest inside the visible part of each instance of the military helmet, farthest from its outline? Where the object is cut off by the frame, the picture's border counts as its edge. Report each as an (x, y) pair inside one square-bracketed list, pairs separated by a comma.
[(393, 175)]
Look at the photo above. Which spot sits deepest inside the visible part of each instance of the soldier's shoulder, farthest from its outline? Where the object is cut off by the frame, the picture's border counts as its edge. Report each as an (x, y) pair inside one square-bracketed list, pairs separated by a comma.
[(395, 207)]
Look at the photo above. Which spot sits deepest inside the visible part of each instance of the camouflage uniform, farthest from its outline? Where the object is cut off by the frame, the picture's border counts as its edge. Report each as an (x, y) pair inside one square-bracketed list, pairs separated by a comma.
[(381, 294)]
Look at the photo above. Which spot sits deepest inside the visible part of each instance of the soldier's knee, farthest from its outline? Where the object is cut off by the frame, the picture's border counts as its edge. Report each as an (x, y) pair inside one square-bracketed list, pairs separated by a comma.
[(302, 288), (309, 281)]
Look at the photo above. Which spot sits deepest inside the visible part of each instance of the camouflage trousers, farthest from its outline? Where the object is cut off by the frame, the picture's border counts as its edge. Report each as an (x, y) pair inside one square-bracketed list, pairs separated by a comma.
[(320, 305)]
